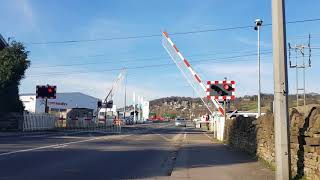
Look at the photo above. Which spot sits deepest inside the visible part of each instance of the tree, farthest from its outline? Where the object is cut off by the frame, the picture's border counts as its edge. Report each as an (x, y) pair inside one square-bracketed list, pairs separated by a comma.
[(13, 64)]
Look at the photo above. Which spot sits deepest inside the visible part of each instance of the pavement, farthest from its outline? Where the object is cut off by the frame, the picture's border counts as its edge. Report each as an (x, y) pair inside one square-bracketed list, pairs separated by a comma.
[(201, 157), (151, 151)]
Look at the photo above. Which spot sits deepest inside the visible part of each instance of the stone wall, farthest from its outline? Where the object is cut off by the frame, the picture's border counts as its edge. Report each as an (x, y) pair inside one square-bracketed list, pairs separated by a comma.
[(256, 136)]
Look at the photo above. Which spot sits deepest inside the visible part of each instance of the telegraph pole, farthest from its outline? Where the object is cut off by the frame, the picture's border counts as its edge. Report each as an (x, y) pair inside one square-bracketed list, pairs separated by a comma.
[(281, 118)]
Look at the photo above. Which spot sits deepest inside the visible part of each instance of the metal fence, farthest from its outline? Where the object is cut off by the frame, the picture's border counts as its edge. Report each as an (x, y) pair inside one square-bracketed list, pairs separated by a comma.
[(36, 122), (88, 124), (44, 122)]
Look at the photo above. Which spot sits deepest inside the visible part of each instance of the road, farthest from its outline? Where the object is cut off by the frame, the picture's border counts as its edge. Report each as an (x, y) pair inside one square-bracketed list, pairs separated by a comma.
[(145, 152)]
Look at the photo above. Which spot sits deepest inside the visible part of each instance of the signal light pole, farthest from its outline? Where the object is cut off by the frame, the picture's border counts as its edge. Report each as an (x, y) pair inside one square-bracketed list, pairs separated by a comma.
[(46, 108)]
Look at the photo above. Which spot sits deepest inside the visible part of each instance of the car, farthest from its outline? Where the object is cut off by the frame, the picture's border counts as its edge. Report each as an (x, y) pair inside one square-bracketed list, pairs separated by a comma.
[(129, 120), (180, 122)]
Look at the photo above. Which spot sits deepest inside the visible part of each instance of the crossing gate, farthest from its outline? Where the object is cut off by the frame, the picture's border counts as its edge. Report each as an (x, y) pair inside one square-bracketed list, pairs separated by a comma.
[(195, 82)]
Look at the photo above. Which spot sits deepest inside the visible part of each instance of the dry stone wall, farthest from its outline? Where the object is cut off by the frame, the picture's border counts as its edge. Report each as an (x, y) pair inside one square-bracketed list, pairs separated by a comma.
[(256, 136)]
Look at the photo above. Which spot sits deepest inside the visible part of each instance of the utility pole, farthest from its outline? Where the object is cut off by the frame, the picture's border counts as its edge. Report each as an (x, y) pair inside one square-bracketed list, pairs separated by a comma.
[(281, 117), (300, 65), (258, 23)]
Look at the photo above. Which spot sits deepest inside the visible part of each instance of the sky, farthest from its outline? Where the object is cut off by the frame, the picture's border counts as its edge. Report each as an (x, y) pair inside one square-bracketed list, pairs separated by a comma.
[(91, 66)]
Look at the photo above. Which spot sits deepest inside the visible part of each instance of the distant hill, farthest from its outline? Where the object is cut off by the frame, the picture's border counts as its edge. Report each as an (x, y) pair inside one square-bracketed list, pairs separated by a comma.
[(193, 107)]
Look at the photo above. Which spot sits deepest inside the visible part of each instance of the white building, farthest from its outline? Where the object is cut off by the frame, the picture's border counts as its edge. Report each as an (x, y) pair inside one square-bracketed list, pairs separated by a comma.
[(63, 102)]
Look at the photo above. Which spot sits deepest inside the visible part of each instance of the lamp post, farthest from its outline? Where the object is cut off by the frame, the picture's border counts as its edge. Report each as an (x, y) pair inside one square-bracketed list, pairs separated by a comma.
[(258, 24)]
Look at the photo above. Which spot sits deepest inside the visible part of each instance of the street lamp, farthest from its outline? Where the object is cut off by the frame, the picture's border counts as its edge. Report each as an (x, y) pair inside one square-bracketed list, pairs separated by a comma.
[(258, 24)]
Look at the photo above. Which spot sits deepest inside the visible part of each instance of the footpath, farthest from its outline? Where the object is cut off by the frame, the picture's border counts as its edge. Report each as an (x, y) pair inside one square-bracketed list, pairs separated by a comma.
[(202, 158)]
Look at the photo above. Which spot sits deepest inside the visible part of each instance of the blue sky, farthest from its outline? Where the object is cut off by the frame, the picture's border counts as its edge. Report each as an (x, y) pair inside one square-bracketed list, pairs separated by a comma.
[(31, 21)]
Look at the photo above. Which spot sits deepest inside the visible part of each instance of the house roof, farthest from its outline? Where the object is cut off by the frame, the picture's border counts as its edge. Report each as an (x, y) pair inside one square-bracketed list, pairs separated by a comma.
[(3, 42), (63, 93)]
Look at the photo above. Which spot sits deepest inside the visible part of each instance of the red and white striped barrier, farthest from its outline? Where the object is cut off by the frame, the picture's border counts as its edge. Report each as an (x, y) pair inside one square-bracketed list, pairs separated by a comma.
[(194, 74)]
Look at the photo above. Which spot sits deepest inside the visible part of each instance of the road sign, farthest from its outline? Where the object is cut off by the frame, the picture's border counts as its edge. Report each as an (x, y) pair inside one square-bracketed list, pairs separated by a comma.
[(46, 92), (221, 90)]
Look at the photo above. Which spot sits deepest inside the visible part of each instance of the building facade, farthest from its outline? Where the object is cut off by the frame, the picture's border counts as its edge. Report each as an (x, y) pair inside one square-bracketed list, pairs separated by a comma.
[(62, 103)]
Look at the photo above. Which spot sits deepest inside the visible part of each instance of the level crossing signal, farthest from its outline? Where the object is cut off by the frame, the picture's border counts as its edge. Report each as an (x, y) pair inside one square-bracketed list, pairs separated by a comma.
[(221, 90), (46, 92)]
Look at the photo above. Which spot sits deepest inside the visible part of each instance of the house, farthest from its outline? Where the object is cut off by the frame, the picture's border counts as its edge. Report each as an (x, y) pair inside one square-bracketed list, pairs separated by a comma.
[(3, 42)]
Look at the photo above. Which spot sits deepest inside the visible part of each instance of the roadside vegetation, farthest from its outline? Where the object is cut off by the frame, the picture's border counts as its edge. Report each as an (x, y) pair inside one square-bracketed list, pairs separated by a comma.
[(13, 64)]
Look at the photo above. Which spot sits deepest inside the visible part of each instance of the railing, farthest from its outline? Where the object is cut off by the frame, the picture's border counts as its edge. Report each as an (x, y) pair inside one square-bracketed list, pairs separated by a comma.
[(42, 122), (36, 122)]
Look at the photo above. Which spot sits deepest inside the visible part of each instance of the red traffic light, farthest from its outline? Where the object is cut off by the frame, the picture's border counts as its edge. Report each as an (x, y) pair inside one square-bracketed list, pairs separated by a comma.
[(226, 87), (46, 91)]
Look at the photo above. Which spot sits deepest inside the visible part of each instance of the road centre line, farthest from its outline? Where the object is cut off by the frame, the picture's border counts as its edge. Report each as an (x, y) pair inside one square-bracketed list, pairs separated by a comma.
[(68, 143)]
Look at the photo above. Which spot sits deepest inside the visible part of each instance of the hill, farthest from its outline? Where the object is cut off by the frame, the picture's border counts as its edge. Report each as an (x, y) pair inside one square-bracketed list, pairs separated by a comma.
[(193, 107)]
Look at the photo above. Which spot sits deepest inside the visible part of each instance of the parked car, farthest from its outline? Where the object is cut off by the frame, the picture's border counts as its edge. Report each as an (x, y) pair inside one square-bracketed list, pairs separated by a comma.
[(129, 120), (180, 122)]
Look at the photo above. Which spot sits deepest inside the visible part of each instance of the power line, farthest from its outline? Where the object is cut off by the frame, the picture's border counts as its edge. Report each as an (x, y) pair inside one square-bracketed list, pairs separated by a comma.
[(215, 52), (214, 60), (158, 35), (304, 20), (136, 59), (147, 66), (314, 36), (94, 40)]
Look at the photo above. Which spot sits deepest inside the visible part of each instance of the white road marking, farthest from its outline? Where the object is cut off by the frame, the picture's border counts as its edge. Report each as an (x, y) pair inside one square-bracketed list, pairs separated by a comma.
[(162, 136), (68, 143), (46, 147), (175, 138), (207, 136), (62, 146), (51, 134)]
